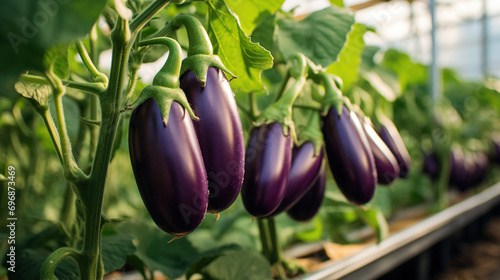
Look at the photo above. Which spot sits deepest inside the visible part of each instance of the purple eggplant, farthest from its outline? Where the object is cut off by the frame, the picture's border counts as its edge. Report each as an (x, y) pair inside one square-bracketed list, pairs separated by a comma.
[(220, 135), (309, 204), (458, 171), (350, 156), (495, 153), (168, 167), (431, 166), (267, 168), (304, 171), (390, 134), (385, 162)]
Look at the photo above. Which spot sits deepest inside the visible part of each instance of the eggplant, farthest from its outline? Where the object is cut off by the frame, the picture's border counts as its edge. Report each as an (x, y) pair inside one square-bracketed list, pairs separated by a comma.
[(303, 172), (390, 134), (385, 162), (431, 166), (458, 171), (310, 203), (168, 167), (267, 168), (350, 156), (220, 135)]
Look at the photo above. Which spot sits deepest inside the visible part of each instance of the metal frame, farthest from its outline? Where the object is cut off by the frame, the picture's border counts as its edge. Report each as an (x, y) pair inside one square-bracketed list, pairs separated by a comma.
[(380, 259)]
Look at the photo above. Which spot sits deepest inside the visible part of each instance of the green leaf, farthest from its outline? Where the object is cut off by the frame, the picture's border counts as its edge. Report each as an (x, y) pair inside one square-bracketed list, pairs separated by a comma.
[(409, 72), (252, 12), (244, 265), (339, 3), (30, 27), (376, 220), (115, 249), (313, 232), (208, 257), (56, 59), (154, 249), (350, 57), (37, 93), (241, 56), (320, 36)]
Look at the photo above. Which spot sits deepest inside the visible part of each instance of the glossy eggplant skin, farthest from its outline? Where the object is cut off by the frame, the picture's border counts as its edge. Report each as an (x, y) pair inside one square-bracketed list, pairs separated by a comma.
[(309, 204), (304, 171), (390, 134), (349, 155), (267, 169), (385, 162), (220, 135), (168, 167)]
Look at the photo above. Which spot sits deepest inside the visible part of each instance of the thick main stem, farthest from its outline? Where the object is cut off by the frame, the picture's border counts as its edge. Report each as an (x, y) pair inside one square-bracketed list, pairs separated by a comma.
[(91, 265)]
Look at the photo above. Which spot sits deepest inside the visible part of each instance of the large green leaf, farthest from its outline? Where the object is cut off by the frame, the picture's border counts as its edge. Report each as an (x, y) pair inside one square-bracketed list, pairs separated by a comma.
[(241, 56), (409, 72), (320, 36), (154, 249), (115, 249), (347, 65), (244, 265), (250, 13), (29, 27)]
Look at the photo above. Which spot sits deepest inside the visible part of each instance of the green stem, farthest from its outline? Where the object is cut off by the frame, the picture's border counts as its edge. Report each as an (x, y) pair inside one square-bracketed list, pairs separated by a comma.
[(264, 238), (276, 254), (91, 266), (71, 169), (168, 76), (52, 130), (95, 88), (87, 61), (50, 264), (443, 180), (283, 85), (94, 130), (147, 14), (254, 108), (199, 42)]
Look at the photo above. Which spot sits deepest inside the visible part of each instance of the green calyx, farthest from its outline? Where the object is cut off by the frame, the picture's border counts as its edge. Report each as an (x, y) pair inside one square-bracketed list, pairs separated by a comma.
[(281, 110), (199, 64), (312, 133), (165, 88), (333, 95), (164, 96), (200, 52)]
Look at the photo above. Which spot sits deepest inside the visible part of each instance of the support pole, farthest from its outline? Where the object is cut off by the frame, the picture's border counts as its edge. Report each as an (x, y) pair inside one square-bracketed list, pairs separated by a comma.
[(484, 41), (434, 78)]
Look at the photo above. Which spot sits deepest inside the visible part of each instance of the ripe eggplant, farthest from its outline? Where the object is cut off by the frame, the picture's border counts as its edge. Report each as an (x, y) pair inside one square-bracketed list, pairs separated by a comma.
[(349, 154), (385, 162), (304, 171), (220, 135), (168, 167), (390, 134), (309, 204), (267, 168), (431, 166)]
